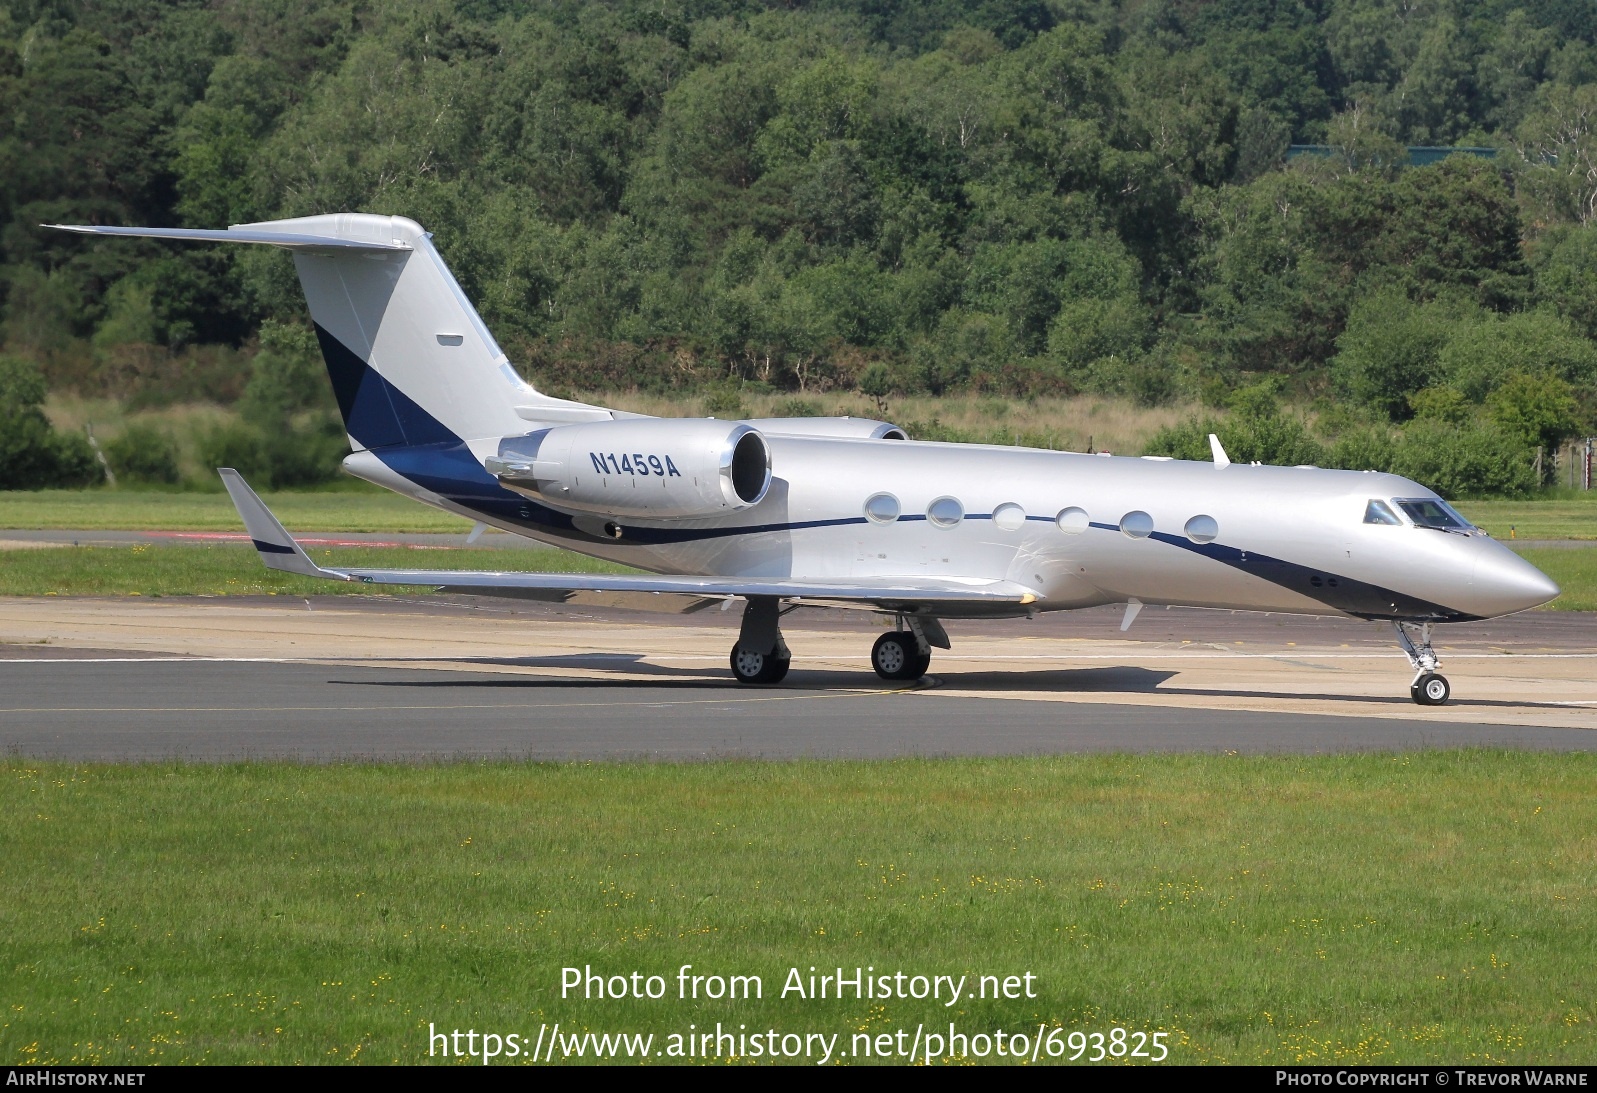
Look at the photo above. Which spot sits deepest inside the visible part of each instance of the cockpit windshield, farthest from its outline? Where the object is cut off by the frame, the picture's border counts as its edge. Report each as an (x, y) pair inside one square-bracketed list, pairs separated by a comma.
[(1430, 512)]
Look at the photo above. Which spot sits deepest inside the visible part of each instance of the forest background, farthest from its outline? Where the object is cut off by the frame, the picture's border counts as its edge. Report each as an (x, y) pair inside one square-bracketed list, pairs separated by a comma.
[(741, 202)]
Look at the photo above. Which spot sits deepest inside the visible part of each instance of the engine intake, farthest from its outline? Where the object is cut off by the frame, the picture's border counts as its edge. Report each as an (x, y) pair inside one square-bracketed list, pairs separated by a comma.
[(665, 468)]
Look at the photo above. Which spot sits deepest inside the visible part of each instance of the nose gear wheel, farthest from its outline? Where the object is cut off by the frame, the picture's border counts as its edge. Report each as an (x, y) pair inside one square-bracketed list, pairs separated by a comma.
[(1430, 689)]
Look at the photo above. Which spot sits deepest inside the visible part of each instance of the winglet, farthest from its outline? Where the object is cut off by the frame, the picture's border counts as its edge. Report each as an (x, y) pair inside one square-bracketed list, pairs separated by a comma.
[(277, 547), (1221, 460)]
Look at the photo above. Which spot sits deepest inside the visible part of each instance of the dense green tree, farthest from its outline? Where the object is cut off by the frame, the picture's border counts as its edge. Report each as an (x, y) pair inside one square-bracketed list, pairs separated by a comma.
[(1022, 195), (1392, 348), (1567, 279)]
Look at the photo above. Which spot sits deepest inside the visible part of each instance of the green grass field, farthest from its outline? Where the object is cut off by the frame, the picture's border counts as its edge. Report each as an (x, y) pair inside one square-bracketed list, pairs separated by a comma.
[(235, 569), (358, 509), (1567, 515), (1430, 907)]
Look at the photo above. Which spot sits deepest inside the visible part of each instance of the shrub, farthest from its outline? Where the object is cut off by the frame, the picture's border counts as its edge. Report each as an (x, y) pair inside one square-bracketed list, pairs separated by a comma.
[(876, 382), (726, 403), (1534, 409), (1368, 448), (796, 407), (1480, 462), (1256, 433), (279, 458), (144, 454), (33, 455)]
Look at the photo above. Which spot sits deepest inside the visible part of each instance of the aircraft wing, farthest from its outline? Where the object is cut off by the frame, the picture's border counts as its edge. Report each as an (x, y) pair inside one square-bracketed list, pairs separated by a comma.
[(278, 550)]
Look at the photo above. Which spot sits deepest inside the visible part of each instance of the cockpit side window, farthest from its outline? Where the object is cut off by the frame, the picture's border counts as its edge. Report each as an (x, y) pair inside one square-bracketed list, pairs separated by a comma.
[(1379, 512), (1430, 512)]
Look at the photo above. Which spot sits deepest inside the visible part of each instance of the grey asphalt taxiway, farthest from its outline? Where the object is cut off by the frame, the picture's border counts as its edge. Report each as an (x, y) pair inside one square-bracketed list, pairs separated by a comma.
[(370, 690), (143, 709)]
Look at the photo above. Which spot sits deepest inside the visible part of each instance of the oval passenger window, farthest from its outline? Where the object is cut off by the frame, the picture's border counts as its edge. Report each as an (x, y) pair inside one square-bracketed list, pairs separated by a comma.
[(1072, 521), (1202, 529), (1137, 524), (881, 508), (1009, 516), (945, 512)]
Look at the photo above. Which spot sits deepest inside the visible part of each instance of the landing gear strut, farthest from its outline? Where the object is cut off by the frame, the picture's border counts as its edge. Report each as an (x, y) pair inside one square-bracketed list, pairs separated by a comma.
[(1430, 688), (760, 655)]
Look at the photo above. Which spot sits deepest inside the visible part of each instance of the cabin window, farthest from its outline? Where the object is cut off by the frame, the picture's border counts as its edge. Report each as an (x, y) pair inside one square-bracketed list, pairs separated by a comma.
[(1137, 524), (1202, 529), (1072, 521), (1009, 517), (945, 512), (1379, 512), (881, 508), (1432, 512)]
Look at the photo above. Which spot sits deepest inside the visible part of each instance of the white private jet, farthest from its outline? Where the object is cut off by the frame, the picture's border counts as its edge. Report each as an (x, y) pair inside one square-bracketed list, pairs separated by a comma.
[(784, 513)]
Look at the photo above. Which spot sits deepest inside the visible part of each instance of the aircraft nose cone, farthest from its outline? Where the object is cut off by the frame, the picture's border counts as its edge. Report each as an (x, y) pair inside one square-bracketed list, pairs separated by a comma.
[(1504, 583)]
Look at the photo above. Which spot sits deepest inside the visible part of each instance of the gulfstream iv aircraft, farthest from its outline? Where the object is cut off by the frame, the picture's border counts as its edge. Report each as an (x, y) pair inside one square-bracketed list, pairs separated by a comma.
[(786, 513)]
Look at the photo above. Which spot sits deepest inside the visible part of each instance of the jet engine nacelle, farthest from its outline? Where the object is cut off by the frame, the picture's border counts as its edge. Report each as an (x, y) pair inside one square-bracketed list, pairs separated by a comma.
[(664, 468), (850, 428)]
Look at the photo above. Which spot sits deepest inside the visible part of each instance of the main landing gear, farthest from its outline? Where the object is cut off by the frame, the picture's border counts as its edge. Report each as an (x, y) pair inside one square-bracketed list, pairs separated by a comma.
[(1430, 687), (905, 654), (761, 656), (897, 655)]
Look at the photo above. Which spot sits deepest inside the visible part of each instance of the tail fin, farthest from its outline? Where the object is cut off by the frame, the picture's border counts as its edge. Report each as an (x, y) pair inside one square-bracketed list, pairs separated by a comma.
[(410, 359)]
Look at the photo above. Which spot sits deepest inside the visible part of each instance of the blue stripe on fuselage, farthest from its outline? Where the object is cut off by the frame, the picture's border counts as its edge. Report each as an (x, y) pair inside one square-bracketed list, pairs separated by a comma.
[(1345, 594)]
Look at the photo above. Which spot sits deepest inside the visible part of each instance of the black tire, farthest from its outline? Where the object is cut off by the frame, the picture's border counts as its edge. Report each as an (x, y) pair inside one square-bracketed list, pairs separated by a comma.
[(1431, 689), (750, 667), (896, 656)]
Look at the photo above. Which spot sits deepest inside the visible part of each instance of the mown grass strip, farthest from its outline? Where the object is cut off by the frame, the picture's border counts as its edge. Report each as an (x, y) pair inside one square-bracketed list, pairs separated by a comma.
[(235, 569), (359, 509), (1430, 907), (1567, 517)]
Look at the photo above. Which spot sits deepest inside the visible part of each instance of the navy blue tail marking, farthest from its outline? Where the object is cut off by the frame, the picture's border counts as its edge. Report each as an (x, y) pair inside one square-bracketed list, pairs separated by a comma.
[(376, 413)]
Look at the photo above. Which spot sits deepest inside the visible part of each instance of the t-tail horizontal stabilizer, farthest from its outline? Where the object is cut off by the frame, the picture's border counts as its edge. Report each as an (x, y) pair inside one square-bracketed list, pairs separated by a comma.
[(242, 234), (276, 546)]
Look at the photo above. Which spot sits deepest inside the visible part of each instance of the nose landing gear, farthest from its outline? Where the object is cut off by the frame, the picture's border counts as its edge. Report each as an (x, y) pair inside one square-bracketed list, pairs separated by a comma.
[(1430, 688)]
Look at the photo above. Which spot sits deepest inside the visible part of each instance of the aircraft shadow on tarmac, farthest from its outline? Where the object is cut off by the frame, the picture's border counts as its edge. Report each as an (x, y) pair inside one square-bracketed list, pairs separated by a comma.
[(1107, 680), (1101, 680)]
